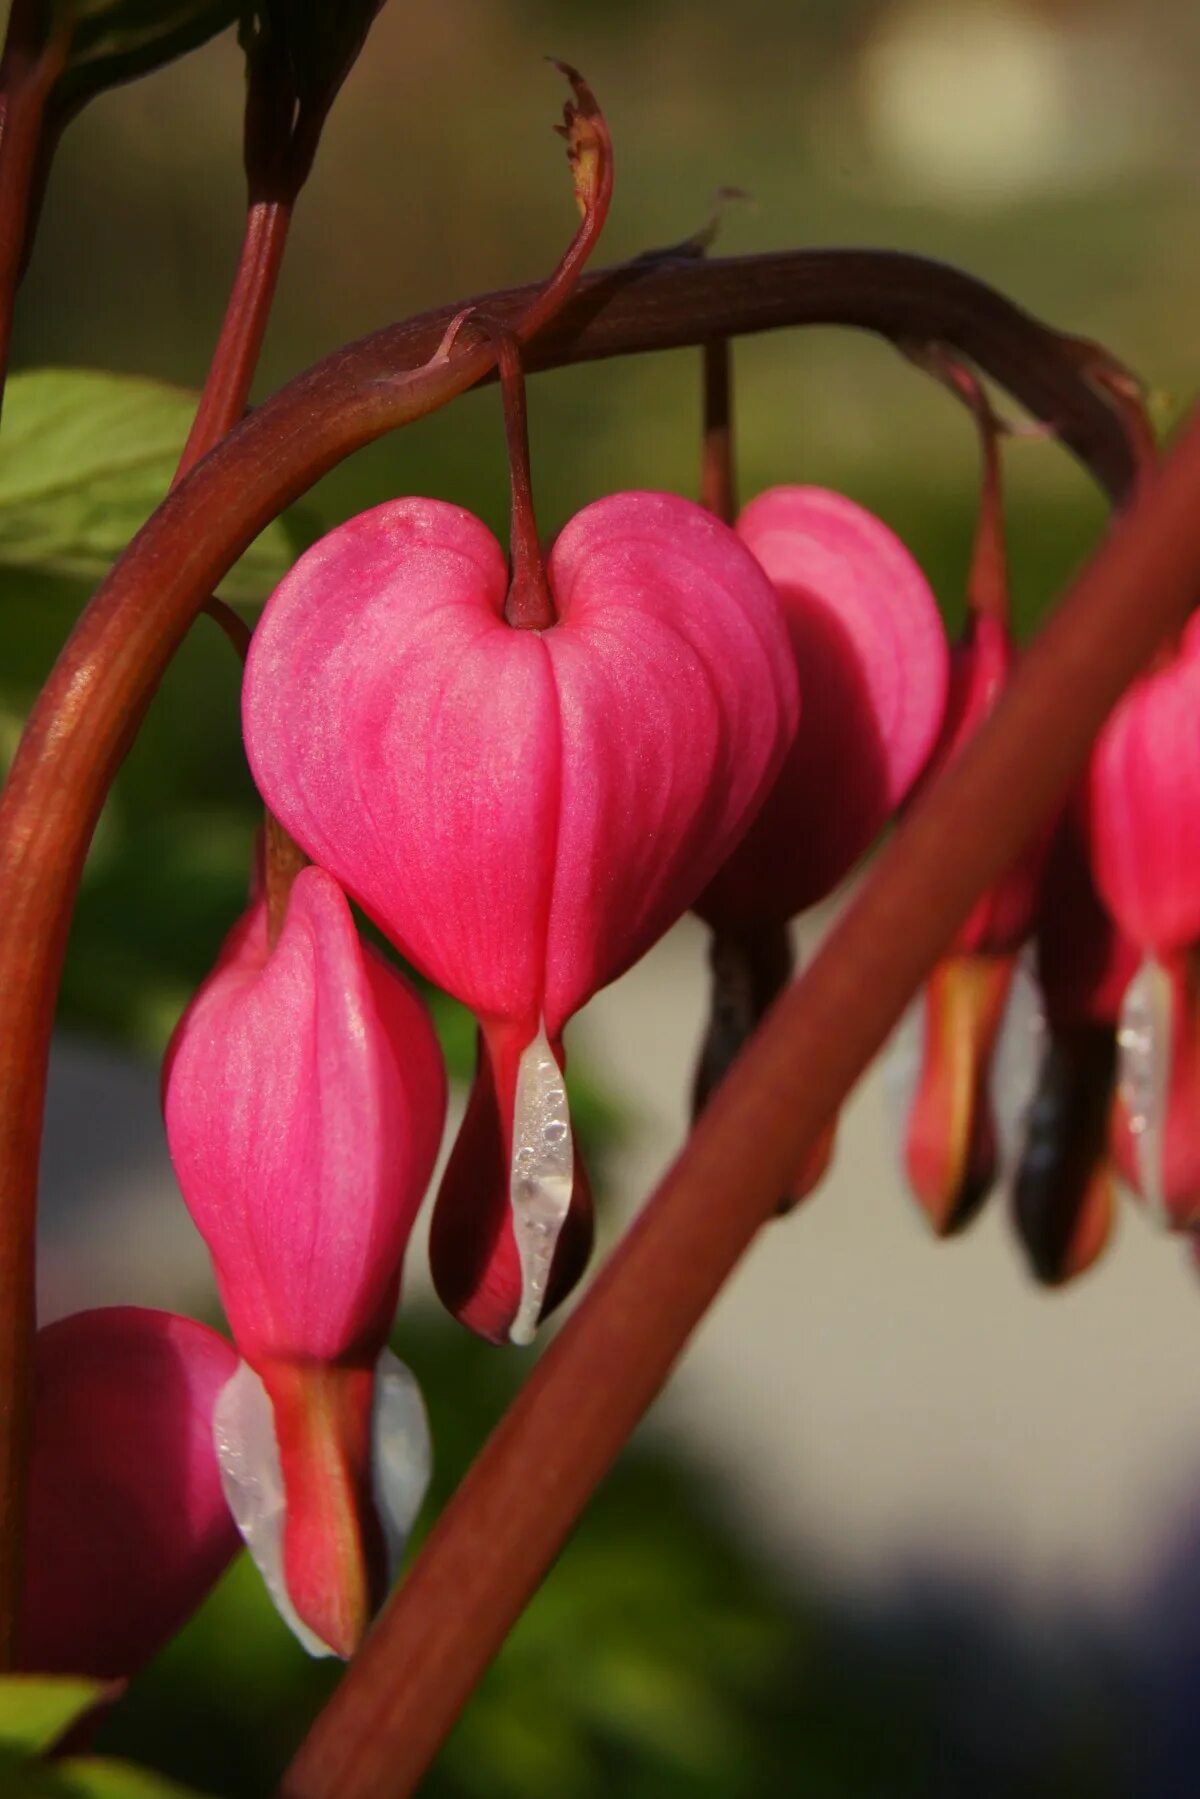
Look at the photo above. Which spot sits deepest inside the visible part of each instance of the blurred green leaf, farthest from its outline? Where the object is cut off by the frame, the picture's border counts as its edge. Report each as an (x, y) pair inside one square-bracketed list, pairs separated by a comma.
[(85, 457), (37, 1709), (87, 1778), (117, 40)]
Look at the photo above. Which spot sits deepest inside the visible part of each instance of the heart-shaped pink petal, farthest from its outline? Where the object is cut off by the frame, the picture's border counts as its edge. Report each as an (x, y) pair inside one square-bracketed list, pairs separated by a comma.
[(523, 812)]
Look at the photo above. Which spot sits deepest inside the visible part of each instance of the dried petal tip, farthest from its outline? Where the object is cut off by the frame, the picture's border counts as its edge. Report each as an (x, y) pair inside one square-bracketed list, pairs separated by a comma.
[(128, 1527), (325, 1470), (589, 146), (951, 1153)]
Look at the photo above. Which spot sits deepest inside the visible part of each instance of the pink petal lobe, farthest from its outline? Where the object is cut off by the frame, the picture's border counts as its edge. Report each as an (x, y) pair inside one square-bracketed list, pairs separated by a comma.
[(409, 741), (873, 663), (677, 698), (1144, 804), (304, 1100), (128, 1526)]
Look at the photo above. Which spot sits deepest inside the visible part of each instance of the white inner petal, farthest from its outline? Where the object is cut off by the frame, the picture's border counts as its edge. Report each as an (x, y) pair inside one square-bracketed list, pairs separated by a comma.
[(248, 1456), (543, 1166), (1144, 1037)]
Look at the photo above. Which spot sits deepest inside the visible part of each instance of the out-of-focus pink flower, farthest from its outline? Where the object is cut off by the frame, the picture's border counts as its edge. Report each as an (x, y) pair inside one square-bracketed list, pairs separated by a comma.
[(523, 811), (128, 1525), (304, 1099), (1144, 803), (1143, 817), (873, 663)]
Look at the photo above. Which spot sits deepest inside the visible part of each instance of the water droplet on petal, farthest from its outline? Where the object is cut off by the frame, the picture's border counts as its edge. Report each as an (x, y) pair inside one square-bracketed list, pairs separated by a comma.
[(1144, 1073), (542, 1172)]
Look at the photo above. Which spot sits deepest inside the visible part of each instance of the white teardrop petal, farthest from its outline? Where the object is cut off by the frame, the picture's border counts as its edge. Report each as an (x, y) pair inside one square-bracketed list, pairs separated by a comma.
[(403, 1454), (1016, 1064), (1144, 1037), (251, 1477), (248, 1456), (540, 1178)]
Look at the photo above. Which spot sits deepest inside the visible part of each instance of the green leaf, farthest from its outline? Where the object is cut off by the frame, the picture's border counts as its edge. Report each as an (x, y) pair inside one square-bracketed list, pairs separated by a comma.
[(85, 457), (87, 1777), (117, 40), (37, 1709)]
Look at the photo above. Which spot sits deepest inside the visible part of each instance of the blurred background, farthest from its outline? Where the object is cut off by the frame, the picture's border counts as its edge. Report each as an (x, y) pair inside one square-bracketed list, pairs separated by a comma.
[(903, 1523)]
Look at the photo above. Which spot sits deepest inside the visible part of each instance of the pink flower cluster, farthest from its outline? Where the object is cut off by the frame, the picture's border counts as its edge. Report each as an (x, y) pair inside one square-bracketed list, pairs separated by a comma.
[(719, 718)]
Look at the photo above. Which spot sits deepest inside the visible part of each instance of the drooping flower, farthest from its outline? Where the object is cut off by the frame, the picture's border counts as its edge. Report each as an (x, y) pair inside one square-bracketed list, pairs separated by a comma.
[(522, 810), (872, 661), (1143, 817), (1064, 1204), (128, 1525), (951, 1144), (304, 1099)]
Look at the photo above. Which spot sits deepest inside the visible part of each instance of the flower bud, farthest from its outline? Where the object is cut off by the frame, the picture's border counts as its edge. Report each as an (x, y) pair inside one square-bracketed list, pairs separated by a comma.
[(304, 1101), (128, 1526), (523, 811)]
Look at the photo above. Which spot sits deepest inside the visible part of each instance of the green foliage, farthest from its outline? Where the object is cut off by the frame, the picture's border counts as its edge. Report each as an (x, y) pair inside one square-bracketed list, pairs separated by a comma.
[(85, 457), (36, 1712), (37, 1709), (117, 40)]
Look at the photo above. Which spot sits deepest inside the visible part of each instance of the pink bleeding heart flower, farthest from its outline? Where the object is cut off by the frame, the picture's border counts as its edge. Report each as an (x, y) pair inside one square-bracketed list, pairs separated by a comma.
[(1143, 816), (1064, 1204), (1144, 803), (873, 665), (128, 1525), (304, 1099), (523, 811), (951, 1148), (872, 661), (951, 1145)]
